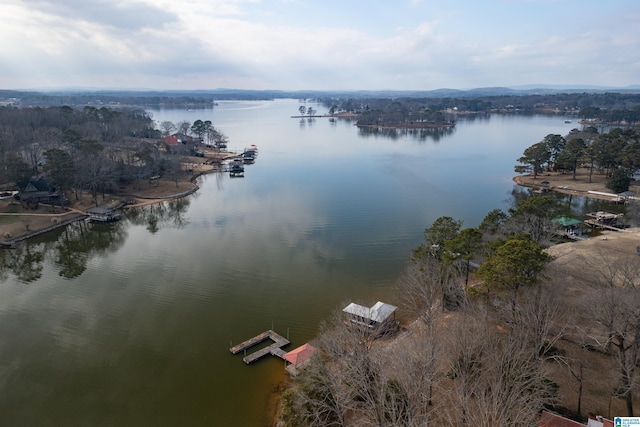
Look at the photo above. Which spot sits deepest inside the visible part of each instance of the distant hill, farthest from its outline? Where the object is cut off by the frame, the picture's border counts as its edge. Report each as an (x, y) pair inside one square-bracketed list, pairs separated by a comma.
[(146, 98)]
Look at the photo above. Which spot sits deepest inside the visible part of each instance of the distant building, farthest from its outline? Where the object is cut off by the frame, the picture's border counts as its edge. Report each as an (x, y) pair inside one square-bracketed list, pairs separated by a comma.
[(186, 139), (171, 140), (39, 191)]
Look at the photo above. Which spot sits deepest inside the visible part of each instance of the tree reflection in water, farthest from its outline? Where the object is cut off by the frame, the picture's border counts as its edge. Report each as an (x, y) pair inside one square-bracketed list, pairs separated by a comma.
[(156, 216), (69, 249), (434, 134)]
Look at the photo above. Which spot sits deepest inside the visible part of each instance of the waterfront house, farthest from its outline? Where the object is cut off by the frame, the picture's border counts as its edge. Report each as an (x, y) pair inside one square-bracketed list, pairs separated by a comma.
[(39, 191), (171, 140), (372, 317)]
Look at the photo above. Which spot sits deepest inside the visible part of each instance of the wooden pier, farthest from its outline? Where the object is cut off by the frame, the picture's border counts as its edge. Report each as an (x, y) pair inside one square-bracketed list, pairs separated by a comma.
[(274, 349)]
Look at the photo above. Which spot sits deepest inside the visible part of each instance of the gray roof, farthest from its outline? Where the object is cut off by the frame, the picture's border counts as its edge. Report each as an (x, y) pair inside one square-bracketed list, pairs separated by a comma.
[(100, 210), (378, 313)]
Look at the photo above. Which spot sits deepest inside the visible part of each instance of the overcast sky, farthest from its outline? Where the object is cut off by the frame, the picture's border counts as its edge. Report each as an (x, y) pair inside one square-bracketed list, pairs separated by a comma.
[(320, 44)]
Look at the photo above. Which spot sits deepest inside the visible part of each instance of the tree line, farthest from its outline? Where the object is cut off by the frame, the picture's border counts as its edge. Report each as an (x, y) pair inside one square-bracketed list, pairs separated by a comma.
[(90, 149), (615, 153), (603, 107)]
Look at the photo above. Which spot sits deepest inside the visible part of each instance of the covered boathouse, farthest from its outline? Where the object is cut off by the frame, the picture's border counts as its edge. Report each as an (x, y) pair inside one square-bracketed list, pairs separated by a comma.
[(103, 214), (372, 317)]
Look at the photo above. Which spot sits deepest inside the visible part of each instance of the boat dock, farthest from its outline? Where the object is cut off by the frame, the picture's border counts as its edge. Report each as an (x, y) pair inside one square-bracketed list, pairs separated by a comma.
[(274, 349), (605, 220)]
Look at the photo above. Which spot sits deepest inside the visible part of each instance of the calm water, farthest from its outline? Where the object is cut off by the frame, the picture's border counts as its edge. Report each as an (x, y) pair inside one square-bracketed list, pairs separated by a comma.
[(130, 324)]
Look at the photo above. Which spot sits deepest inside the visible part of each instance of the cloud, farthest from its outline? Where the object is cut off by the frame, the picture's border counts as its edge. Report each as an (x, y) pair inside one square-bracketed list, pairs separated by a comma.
[(297, 44), (122, 14)]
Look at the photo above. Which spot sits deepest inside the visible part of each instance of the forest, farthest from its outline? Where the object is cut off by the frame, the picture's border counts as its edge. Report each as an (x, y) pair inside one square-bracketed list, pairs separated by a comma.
[(92, 149)]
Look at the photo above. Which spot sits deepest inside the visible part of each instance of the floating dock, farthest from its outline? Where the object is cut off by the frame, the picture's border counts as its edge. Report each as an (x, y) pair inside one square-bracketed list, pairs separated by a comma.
[(274, 349)]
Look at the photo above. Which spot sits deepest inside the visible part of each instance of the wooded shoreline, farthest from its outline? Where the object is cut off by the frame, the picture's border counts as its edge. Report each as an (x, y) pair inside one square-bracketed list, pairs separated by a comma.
[(30, 223)]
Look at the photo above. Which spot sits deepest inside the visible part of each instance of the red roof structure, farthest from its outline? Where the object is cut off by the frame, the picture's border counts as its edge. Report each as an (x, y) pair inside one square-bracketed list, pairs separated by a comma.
[(170, 140), (548, 419), (300, 354)]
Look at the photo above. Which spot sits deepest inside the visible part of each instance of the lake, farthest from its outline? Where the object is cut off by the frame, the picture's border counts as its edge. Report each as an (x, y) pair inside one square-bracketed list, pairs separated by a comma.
[(131, 323)]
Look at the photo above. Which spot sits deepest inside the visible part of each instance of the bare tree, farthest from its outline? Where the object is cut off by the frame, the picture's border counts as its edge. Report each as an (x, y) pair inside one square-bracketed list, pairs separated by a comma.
[(537, 323), (420, 290), (514, 388), (166, 127), (422, 294), (413, 362), (466, 347), (617, 310), (184, 127), (321, 398), (497, 381)]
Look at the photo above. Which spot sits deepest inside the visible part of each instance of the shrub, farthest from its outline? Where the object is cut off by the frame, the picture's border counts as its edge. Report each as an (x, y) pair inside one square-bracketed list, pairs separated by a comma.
[(619, 181)]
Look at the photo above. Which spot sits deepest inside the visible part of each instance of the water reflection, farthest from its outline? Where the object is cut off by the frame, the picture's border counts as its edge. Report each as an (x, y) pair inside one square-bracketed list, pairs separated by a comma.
[(469, 117), (434, 134), (155, 216), (82, 241), (25, 262), (306, 121), (70, 249)]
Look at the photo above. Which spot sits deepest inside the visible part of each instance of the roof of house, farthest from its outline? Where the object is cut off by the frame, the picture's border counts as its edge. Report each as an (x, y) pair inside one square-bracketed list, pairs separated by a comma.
[(100, 210), (300, 354), (548, 419), (378, 313), (171, 140), (40, 184)]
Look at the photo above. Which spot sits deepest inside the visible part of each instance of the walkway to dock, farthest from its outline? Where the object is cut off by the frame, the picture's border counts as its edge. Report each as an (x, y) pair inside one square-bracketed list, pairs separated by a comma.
[(274, 349)]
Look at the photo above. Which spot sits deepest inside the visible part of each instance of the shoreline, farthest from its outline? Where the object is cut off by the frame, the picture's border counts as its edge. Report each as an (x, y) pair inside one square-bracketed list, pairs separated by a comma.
[(73, 214), (593, 186)]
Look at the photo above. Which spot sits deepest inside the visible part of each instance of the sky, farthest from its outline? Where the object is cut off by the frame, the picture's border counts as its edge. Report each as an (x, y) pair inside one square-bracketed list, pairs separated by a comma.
[(318, 45)]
